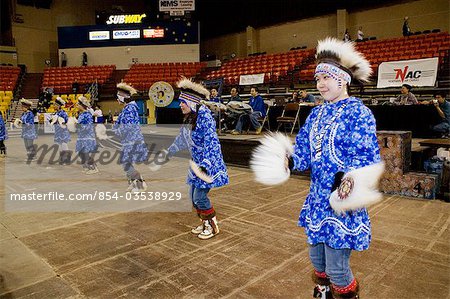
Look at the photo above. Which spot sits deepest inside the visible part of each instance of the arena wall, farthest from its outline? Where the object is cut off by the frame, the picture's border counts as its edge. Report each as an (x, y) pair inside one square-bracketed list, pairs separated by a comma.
[(383, 22), (36, 37), (122, 56)]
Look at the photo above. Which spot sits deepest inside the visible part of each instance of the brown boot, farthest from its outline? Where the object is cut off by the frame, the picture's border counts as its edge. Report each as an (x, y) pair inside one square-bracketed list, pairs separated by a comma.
[(323, 288), (349, 292)]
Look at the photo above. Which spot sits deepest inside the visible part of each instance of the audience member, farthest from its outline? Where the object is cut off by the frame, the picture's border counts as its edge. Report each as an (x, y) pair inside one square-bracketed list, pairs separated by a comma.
[(98, 115), (294, 98), (360, 34), (215, 96), (406, 29), (259, 110), (406, 98), (75, 86), (443, 109), (306, 97), (347, 37), (235, 95), (63, 59), (84, 59)]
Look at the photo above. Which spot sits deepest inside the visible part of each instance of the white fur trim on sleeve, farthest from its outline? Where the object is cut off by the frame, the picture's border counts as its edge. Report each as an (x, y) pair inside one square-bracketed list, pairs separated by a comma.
[(100, 131), (268, 160), (72, 124), (358, 189)]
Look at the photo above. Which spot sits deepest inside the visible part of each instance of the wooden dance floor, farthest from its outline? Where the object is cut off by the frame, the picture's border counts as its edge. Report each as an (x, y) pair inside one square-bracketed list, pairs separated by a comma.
[(259, 253)]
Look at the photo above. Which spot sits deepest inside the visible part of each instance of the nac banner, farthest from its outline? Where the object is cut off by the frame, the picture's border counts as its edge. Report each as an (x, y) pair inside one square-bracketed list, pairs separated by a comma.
[(251, 79), (418, 72)]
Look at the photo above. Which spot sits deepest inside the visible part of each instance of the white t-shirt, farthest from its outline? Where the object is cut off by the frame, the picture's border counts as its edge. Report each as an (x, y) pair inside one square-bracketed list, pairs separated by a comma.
[(98, 113), (360, 34)]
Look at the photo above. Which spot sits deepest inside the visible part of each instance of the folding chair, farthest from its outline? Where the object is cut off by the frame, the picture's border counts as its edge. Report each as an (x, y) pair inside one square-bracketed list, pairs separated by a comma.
[(290, 116)]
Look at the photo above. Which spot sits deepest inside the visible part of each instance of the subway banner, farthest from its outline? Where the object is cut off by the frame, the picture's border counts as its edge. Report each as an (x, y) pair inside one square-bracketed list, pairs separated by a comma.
[(251, 79), (418, 72)]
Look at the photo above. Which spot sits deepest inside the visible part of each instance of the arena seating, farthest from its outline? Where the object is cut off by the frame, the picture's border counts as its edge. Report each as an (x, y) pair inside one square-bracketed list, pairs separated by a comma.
[(71, 103), (61, 78), (142, 76), (9, 77), (273, 66), (401, 48)]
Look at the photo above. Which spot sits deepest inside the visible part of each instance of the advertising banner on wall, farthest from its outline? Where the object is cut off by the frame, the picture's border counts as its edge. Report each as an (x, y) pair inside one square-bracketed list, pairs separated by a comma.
[(418, 72), (99, 35), (176, 5), (153, 33), (121, 34), (251, 79)]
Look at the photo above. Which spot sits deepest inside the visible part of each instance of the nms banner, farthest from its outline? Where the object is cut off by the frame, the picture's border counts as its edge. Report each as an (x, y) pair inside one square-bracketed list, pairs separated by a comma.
[(418, 72)]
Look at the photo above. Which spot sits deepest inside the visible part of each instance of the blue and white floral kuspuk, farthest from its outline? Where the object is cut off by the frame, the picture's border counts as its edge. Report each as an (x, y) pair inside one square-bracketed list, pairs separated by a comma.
[(338, 144)]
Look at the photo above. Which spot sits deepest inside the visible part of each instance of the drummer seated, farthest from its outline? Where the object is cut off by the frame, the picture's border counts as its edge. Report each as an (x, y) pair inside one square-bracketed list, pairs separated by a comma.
[(259, 110)]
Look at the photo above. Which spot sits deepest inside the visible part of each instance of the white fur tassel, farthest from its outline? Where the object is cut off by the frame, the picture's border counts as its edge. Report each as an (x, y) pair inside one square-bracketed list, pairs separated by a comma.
[(72, 124), (18, 123), (364, 191), (269, 159), (199, 173), (62, 122), (100, 131), (54, 119)]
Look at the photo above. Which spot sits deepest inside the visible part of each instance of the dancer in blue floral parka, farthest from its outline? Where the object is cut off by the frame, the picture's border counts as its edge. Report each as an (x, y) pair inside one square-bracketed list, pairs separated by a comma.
[(62, 135), (208, 170), (3, 136), (28, 129), (127, 128), (86, 144), (338, 143)]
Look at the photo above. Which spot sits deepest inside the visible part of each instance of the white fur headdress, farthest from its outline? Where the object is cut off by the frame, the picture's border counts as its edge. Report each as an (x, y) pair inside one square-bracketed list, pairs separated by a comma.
[(84, 101), (345, 56), (194, 88), (60, 101), (126, 88), (26, 102)]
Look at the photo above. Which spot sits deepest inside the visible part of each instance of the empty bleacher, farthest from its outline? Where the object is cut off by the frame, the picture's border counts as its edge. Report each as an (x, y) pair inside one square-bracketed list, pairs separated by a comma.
[(61, 78), (401, 48), (274, 66), (9, 77), (142, 76)]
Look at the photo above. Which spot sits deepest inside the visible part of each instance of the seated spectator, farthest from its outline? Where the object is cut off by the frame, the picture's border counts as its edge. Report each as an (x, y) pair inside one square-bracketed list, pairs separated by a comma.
[(215, 96), (406, 98), (235, 95), (259, 110), (75, 86), (98, 114), (443, 109), (347, 37), (306, 97), (294, 98)]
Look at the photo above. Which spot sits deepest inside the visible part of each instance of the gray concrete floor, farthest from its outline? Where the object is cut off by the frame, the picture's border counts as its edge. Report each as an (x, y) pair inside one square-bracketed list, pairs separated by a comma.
[(259, 253)]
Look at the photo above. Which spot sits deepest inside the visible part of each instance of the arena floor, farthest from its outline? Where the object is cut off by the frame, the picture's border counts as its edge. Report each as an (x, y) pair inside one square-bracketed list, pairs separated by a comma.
[(144, 251)]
